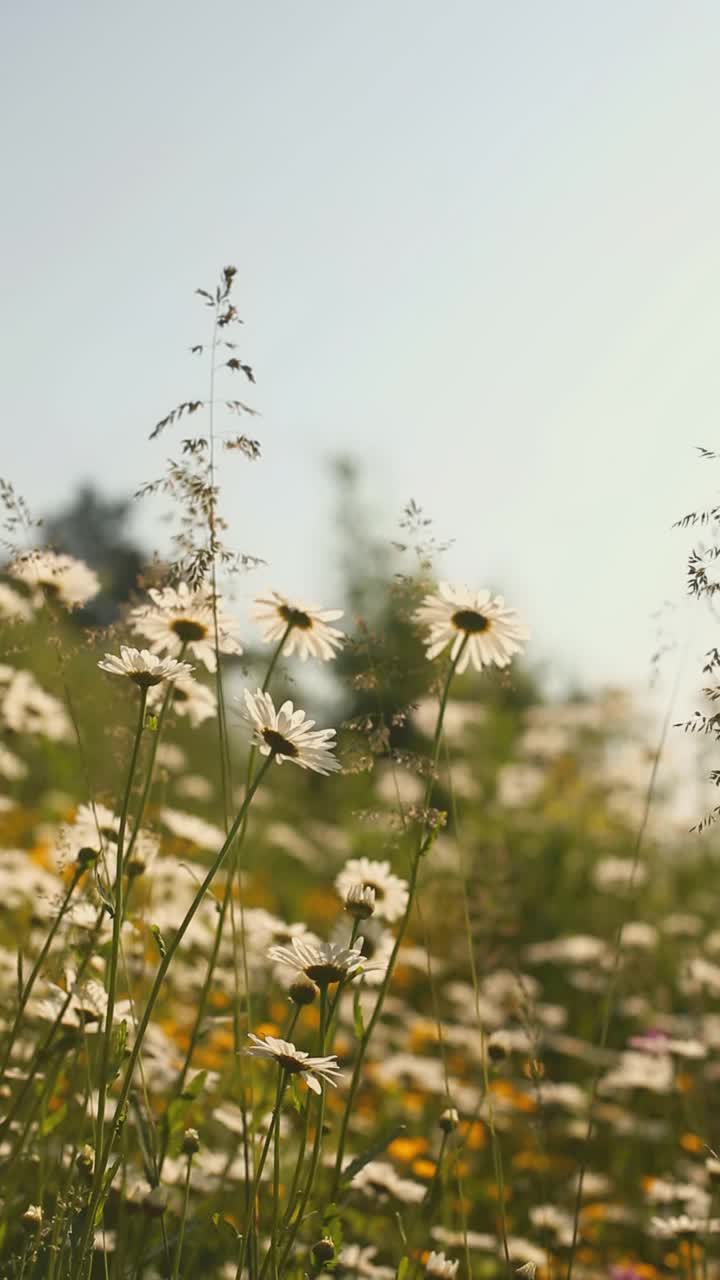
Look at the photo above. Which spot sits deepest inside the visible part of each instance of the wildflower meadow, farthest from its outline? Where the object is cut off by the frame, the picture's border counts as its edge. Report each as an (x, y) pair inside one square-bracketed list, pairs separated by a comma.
[(329, 943)]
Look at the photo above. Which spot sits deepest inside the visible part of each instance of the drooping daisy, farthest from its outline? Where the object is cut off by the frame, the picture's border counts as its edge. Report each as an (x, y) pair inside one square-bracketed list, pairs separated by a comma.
[(287, 734), (68, 580), (391, 893), (296, 1062), (191, 698), (306, 625), (456, 615), (181, 620), (324, 962), (142, 667)]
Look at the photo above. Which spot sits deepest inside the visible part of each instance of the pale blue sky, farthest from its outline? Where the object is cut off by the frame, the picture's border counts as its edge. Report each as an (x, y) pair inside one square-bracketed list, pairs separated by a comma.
[(477, 248)]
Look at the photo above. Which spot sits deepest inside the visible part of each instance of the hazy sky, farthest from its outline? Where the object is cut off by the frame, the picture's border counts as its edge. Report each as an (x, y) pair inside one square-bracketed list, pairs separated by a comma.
[(477, 248)]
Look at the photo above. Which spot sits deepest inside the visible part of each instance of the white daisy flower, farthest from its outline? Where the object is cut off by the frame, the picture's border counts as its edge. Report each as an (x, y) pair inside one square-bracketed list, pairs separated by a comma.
[(142, 667), (324, 962), (191, 698), (391, 893), (70, 581), (182, 620), (308, 632), (455, 615), (296, 1062), (439, 1266), (287, 734)]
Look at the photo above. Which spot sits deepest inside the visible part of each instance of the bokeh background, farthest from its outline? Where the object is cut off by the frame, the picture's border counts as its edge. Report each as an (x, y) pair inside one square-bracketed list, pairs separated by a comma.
[(477, 252)]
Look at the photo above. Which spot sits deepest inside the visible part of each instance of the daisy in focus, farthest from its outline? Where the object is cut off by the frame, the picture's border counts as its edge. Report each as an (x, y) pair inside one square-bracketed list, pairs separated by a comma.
[(296, 1062), (180, 620), (307, 627), (68, 580), (490, 633), (145, 669), (391, 893), (287, 734), (324, 963)]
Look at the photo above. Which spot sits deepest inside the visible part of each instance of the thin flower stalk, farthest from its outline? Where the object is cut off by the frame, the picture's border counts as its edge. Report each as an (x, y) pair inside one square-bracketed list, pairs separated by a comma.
[(118, 911), (152, 757), (37, 966), (166, 961), (43, 1048), (235, 870), (183, 1218), (421, 846), (317, 1146)]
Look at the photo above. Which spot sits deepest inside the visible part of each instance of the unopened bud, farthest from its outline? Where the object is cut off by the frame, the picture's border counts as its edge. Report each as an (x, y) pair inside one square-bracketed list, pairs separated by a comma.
[(323, 1250), (85, 1159), (190, 1142), (33, 1216), (449, 1120), (303, 990), (86, 856), (360, 901)]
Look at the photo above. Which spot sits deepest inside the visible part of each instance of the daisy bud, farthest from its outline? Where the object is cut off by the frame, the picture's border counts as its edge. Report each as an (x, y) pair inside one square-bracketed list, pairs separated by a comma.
[(87, 856), (303, 990), (360, 901), (323, 1251), (32, 1217), (449, 1120), (190, 1142), (85, 1159), (497, 1048)]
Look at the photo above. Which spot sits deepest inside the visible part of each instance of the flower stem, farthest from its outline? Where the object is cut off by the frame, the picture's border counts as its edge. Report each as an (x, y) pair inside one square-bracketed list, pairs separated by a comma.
[(27, 989), (421, 848), (101, 1163), (117, 927), (181, 1234)]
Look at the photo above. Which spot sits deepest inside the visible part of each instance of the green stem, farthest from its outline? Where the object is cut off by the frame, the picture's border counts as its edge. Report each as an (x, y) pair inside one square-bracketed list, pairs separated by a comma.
[(317, 1144), (421, 848), (250, 1223), (27, 989), (117, 926), (150, 770), (179, 1249), (166, 961)]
